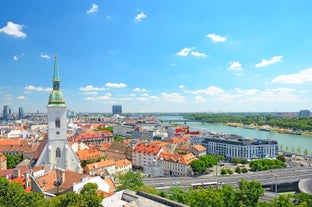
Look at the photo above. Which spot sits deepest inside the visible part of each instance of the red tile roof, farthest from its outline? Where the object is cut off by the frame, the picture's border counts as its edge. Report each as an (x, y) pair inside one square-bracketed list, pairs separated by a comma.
[(177, 158), (92, 135), (88, 154), (199, 148), (149, 149), (100, 164), (47, 181)]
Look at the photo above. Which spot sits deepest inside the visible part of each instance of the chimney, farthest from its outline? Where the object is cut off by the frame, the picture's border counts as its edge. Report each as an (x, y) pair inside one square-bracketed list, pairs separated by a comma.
[(26, 175), (63, 176), (16, 173)]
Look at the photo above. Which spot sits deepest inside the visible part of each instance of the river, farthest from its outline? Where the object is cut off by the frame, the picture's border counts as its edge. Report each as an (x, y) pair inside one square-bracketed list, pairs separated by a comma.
[(289, 140)]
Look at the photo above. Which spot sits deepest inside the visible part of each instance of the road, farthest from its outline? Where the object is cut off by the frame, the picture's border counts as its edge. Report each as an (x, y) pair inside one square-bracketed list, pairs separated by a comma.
[(285, 175)]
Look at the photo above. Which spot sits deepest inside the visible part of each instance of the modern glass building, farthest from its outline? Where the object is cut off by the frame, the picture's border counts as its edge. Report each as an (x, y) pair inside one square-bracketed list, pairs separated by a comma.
[(117, 109)]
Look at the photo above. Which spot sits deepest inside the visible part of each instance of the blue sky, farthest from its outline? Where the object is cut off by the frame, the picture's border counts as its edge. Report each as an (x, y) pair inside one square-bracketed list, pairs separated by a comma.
[(158, 56)]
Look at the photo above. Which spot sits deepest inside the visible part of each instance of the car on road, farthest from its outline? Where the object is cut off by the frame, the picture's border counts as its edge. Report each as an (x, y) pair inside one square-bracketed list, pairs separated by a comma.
[(160, 185), (176, 183)]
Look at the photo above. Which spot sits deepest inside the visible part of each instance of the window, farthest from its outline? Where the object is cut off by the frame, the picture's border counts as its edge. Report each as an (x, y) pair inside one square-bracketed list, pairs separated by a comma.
[(57, 122), (58, 152)]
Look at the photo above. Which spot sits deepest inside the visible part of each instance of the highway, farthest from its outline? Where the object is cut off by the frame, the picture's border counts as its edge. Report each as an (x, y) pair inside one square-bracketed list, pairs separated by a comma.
[(284, 175)]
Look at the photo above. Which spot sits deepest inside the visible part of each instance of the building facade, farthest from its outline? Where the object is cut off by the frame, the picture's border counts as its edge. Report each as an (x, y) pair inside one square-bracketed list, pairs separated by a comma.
[(236, 146), (117, 109), (304, 113)]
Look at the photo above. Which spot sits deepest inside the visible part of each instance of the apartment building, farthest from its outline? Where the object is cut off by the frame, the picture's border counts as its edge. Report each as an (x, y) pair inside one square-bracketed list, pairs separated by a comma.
[(232, 146)]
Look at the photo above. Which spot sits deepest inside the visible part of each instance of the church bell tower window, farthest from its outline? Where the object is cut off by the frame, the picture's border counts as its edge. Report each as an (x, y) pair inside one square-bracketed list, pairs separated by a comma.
[(57, 122), (58, 152)]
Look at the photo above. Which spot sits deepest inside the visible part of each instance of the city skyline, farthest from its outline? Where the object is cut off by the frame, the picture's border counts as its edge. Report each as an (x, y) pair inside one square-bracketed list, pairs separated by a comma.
[(158, 56)]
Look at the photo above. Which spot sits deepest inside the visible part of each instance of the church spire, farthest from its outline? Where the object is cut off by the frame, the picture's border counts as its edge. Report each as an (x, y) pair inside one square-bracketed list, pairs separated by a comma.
[(56, 97), (56, 74)]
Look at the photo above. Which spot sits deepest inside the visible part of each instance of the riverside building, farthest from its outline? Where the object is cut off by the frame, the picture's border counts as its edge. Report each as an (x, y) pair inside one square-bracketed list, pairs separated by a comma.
[(232, 146)]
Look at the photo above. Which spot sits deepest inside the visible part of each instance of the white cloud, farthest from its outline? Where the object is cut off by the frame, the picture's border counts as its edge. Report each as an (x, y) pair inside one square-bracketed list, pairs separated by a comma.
[(265, 62), (198, 54), (140, 90), (93, 9), (91, 88), (13, 30), (174, 97), (211, 90), (248, 92), (21, 97), (200, 99), (45, 56), (15, 57), (184, 52), (37, 88), (132, 95), (115, 85), (296, 78), (143, 99), (140, 16), (144, 94), (106, 97), (216, 38), (181, 86), (90, 93), (235, 65)]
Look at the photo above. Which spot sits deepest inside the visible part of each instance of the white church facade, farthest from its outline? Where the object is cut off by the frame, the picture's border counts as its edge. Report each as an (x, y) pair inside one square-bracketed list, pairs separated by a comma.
[(57, 151)]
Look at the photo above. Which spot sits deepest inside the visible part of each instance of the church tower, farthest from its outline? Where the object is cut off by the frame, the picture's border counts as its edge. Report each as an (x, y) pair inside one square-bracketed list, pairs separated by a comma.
[(57, 151)]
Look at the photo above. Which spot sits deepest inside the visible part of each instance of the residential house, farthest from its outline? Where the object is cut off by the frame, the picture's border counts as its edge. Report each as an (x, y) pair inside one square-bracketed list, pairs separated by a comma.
[(18, 146), (144, 154), (198, 150), (102, 168), (18, 174), (52, 181), (123, 166), (88, 154), (93, 137), (176, 164)]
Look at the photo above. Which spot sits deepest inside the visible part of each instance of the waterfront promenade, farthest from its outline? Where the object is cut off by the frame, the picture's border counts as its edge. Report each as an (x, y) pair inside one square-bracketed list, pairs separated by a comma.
[(290, 141)]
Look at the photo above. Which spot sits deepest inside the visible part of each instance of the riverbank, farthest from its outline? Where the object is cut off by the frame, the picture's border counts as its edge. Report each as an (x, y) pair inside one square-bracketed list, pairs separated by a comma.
[(269, 128)]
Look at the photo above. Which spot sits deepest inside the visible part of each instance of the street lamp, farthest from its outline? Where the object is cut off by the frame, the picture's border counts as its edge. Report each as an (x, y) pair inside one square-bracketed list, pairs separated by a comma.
[(275, 184)]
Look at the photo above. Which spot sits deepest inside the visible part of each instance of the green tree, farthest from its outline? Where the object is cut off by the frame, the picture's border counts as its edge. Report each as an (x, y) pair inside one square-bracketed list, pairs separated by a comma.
[(13, 194), (299, 150), (90, 196), (305, 152), (205, 198), (249, 193), (244, 161), (118, 138), (198, 166), (224, 171), (238, 170), (281, 158), (244, 170), (282, 201), (209, 160), (303, 198), (13, 160), (228, 193), (110, 128), (131, 180), (235, 160), (286, 148), (177, 194)]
